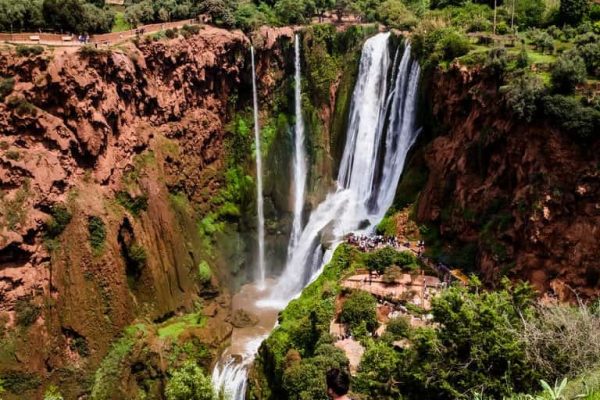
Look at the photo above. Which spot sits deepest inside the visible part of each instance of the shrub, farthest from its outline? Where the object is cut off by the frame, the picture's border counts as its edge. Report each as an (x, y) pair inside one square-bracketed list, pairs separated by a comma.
[(61, 217), (97, 231), (376, 371), (52, 393), (360, 306), (204, 273), (383, 258), (572, 116), (392, 275), (13, 155), (89, 51), (135, 204), (189, 383), (6, 87), (21, 106), (588, 47), (542, 41), (568, 71), (523, 58), (398, 327), (170, 33), (395, 14), (26, 312), (562, 340), (496, 61), (529, 13), (137, 254), (26, 51), (572, 12), (453, 44), (435, 44), (523, 95)]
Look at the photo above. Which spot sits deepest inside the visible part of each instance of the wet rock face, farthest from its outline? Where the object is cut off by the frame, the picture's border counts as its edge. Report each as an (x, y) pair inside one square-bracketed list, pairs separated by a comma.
[(110, 137), (526, 194)]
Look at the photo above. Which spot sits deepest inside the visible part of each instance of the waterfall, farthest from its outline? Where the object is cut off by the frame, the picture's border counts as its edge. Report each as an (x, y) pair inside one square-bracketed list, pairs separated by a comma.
[(299, 168), (259, 183), (381, 130)]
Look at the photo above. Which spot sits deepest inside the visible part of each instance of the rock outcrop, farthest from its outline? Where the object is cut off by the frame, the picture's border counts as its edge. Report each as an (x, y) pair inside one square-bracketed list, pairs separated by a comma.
[(519, 199), (106, 159)]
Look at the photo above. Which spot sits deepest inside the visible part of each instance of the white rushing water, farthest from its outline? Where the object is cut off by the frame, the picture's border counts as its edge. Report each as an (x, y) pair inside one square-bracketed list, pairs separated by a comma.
[(299, 167), (381, 131), (260, 212)]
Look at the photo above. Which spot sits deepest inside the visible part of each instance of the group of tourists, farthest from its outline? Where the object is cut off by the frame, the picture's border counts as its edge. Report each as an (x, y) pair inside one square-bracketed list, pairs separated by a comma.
[(370, 243)]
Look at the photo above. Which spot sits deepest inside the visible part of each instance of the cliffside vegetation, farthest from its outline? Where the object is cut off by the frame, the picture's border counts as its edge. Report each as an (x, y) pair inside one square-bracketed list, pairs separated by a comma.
[(478, 344)]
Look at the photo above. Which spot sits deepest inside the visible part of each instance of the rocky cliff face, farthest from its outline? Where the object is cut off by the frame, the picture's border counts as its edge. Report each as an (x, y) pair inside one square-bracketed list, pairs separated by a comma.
[(107, 160), (127, 206), (509, 197)]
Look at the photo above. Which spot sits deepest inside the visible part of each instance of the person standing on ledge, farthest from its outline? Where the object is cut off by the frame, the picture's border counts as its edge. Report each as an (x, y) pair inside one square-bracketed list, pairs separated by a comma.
[(338, 384)]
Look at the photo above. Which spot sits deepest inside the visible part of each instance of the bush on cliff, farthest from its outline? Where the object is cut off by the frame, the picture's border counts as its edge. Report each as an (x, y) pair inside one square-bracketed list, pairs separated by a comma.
[(360, 307), (189, 383), (568, 71), (6, 87), (97, 232), (523, 95), (570, 115)]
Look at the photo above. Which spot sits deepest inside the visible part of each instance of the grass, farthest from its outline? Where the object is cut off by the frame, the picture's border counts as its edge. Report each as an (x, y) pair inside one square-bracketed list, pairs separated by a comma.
[(536, 57), (120, 24), (178, 325)]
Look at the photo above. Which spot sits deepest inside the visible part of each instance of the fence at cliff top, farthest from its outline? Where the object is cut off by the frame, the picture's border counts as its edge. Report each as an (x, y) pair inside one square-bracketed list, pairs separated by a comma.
[(104, 38)]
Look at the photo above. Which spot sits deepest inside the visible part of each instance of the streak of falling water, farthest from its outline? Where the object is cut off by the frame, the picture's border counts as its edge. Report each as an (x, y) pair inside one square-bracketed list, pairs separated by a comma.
[(260, 212), (381, 131), (299, 168)]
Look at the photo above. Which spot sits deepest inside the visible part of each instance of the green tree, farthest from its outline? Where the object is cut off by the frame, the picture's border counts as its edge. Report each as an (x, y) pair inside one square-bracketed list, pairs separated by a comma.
[(139, 13), (523, 95), (567, 72), (220, 11), (572, 12), (529, 13), (360, 306), (304, 381), (64, 15), (377, 371), (189, 383), (395, 14)]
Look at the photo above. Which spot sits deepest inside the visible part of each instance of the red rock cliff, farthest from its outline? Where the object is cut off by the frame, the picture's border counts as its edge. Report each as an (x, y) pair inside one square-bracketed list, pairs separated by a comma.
[(526, 194), (110, 136)]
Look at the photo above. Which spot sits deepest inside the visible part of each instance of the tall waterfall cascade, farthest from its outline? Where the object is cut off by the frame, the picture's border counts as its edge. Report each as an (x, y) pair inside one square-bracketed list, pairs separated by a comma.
[(299, 166), (260, 212), (381, 131)]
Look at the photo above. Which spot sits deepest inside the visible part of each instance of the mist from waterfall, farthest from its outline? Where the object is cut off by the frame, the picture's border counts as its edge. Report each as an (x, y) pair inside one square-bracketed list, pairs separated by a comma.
[(259, 182), (299, 166)]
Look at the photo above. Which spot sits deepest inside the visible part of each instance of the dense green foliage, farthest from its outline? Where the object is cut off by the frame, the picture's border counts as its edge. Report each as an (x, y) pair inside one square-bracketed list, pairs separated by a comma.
[(204, 273), (97, 231), (360, 307), (26, 311), (380, 259), (189, 383), (135, 204), (568, 71), (60, 218), (6, 87), (75, 16)]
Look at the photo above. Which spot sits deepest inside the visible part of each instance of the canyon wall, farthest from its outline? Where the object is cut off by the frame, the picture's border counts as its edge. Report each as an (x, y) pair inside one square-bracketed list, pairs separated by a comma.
[(128, 195), (502, 196)]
